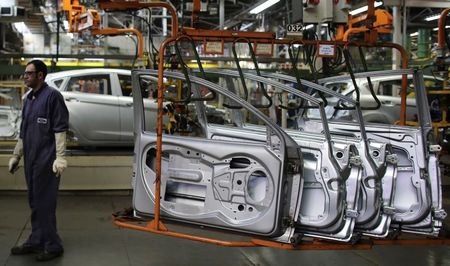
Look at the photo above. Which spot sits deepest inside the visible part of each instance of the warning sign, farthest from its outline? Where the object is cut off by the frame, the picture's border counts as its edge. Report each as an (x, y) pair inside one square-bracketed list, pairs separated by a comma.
[(213, 47), (326, 50), (264, 49)]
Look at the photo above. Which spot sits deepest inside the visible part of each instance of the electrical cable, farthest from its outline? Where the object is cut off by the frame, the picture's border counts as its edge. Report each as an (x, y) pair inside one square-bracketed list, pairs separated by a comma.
[(372, 92), (154, 51)]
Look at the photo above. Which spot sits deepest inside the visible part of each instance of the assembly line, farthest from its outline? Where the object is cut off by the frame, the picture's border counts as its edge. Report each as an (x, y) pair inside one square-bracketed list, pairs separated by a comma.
[(207, 143)]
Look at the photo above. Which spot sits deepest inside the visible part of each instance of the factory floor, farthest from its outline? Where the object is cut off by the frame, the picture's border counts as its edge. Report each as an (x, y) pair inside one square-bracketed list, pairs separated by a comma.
[(90, 238)]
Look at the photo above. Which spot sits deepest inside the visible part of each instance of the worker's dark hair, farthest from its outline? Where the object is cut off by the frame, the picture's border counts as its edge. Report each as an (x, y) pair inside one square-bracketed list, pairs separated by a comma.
[(40, 66)]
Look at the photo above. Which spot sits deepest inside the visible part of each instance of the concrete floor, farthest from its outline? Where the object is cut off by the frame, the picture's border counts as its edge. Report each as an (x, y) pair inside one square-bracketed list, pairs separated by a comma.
[(90, 238)]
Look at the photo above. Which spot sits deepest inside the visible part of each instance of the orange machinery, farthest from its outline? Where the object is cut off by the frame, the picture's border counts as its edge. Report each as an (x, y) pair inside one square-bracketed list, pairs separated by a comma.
[(80, 18), (372, 23)]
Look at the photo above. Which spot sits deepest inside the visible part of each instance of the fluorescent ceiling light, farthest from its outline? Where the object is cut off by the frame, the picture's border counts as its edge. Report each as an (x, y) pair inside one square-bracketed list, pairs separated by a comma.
[(437, 28), (414, 34), (94, 59), (263, 5), (434, 17), (245, 26), (364, 8), (68, 59)]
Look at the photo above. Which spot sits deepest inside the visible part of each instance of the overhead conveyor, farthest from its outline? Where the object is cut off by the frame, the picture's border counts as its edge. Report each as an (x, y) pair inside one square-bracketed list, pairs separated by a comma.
[(209, 240), (280, 188)]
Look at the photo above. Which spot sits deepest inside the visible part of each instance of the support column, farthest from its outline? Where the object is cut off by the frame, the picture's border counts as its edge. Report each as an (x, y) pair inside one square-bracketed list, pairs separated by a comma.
[(164, 22), (221, 14), (221, 63), (396, 36)]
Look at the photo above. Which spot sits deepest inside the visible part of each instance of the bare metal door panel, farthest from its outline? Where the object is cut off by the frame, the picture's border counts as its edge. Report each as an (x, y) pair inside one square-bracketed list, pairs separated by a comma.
[(326, 211), (229, 183), (370, 208), (217, 186), (412, 202), (417, 204)]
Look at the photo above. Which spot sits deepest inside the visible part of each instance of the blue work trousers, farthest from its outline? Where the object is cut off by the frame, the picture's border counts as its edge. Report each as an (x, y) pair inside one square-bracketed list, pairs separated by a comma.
[(43, 187)]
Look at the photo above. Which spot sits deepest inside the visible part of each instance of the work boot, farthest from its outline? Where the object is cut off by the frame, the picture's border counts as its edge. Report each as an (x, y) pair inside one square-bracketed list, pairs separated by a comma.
[(24, 249), (47, 255)]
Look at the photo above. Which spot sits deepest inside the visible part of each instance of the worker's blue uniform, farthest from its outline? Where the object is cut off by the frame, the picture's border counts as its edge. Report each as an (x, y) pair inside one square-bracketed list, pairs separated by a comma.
[(44, 114)]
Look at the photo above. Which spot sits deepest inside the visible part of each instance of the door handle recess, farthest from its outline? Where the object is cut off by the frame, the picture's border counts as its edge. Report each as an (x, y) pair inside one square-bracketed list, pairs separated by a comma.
[(72, 99)]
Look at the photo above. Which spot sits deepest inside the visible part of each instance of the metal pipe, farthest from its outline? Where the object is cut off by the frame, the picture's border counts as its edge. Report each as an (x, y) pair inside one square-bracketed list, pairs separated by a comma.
[(138, 5), (185, 236), (441, 27), (159, 127), (114, 31), (404, 36), (58, 25)]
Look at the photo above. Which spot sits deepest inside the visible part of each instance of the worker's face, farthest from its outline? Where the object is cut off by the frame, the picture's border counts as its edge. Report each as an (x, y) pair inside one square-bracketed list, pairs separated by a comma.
[(32, 78)]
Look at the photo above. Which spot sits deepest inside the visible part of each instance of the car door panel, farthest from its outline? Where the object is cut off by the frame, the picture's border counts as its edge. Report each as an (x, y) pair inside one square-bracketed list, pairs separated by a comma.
[(126, 118), (230, 184), (203, 186), (370, 217), (323, 204), (93, 117), (325, 212), (411, 202), (93, 108)]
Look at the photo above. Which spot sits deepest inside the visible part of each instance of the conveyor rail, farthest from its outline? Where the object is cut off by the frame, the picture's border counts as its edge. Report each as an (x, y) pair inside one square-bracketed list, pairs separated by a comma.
[(129, 222)]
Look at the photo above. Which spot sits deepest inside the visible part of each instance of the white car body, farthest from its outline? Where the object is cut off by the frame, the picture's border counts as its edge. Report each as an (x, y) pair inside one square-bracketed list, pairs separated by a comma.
[(100, 105)]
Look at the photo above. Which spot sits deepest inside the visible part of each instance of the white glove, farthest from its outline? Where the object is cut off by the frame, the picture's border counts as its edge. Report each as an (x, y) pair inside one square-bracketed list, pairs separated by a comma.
[(15, 159), (13, 164), (60, 163)]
